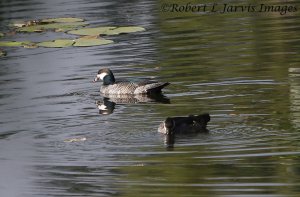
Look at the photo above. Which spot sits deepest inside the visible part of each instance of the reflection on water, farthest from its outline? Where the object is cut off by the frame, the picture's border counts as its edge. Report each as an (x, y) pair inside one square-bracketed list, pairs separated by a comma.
[(238, 67), (294, 75), (107, 105)]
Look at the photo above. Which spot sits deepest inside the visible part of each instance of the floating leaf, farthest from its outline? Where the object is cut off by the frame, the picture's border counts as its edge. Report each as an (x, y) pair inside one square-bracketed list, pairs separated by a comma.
[(2, 53), (52, 26), (106, 30), (122, 30), (59, 30), (80, 139), (87, 41), (91, 37), (12, 43), (46, 21), (30, 46), (26, 23), (19, 24), (56, 43), (294, 70), (62, 20), (91, 31)]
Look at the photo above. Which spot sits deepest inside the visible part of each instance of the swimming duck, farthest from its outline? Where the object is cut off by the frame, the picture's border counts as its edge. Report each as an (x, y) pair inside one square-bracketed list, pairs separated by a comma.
[(110, 86), (184, 125)]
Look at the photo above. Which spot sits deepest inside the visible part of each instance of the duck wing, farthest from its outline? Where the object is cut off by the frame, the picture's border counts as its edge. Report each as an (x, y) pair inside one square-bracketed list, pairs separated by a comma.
[(122, 87), (202, 118), (127, 87), (150, 87)]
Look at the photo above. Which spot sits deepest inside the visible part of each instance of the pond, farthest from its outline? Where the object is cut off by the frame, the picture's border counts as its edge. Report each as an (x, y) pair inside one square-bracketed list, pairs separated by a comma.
[(241, 67)]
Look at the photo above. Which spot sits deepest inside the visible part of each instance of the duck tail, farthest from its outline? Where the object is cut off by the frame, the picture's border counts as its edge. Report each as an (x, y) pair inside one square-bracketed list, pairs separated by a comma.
[(206, 117), (202, 118), (156, 87)]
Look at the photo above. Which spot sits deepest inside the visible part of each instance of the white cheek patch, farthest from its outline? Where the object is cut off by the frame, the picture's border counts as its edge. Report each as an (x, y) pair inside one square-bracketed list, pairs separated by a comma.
[(102, 75), (102, 107)]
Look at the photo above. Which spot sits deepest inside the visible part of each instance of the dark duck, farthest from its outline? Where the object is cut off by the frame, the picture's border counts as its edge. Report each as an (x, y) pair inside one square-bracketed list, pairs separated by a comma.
[(190, 125), (184, 125)]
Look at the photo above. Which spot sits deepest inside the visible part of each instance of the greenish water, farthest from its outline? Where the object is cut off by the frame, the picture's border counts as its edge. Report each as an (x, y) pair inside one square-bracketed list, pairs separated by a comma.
[(241, 67)]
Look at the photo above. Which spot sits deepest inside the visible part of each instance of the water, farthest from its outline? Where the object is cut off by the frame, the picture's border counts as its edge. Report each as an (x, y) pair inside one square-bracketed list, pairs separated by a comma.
[(242, 68)]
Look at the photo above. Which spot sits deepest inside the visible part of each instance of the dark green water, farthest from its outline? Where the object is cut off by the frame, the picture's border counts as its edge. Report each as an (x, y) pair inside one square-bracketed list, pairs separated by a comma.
[(241, 67)]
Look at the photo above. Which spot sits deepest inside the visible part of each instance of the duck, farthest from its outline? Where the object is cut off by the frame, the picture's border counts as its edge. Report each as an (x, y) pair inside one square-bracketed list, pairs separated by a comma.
[(184, 125), (112, 87)]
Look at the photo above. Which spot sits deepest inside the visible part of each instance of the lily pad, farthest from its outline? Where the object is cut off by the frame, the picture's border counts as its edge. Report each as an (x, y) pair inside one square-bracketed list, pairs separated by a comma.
[(106, 30), (26, 23), (18, 25), (122, 30), (56, 43), (80, 139), (294, 70), (12, 43), (91, 31), (2, 53), (87, 41), (52, 26), (30, 46), (62, 20)]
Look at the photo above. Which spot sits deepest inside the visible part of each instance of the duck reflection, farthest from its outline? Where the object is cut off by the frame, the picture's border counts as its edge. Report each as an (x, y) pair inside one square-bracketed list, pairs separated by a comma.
[(107, 104), (105, 107), (190, 125)]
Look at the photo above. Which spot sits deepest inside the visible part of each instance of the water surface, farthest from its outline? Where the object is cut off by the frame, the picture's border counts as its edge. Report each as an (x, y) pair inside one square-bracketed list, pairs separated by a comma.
[(242, 68)]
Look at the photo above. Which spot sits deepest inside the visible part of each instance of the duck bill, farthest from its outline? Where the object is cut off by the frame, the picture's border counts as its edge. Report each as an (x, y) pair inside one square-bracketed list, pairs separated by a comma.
[(96, 79)]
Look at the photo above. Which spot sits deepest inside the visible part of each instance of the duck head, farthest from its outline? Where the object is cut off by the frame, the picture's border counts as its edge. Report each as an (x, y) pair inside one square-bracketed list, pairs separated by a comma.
[(169, 125), (106, 76)]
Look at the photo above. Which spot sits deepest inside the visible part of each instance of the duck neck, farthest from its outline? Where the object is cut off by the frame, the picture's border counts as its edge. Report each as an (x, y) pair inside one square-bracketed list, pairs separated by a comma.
[(108, 80)]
